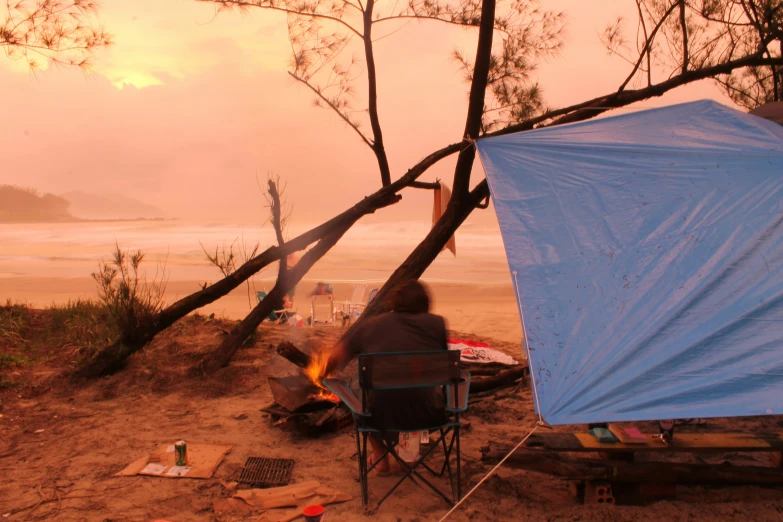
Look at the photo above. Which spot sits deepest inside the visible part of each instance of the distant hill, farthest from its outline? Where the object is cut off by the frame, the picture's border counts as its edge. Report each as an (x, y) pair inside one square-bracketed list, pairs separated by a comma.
[(27, 205), (110, 206)]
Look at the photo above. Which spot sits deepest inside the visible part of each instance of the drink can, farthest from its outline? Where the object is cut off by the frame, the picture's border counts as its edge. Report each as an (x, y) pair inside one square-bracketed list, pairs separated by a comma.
[(180, 453)]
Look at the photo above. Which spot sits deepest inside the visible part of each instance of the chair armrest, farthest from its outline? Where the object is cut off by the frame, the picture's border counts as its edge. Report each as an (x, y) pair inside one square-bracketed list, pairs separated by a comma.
[(459, 403), (341, 389)]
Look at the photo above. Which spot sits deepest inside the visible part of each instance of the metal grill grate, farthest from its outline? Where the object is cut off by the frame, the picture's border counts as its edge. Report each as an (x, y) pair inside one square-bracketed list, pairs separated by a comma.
[(261, 472)]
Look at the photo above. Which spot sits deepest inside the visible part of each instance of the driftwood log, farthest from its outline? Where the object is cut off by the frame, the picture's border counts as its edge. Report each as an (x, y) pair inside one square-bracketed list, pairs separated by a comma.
[(501, 379), (574, 468)]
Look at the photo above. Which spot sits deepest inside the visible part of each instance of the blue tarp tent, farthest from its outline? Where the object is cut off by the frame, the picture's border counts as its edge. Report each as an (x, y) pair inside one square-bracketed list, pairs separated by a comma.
[(646, 252)]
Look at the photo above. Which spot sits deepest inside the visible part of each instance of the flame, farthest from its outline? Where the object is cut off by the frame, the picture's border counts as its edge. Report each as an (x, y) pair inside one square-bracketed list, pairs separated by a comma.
[(316, 371)]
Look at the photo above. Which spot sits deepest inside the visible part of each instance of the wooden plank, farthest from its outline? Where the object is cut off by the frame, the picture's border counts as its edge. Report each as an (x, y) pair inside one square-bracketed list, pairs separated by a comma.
[(683, 442)]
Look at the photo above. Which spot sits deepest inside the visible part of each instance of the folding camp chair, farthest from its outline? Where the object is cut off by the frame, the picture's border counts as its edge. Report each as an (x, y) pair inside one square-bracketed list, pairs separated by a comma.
[(408, 370), (357, 299), (357, 309), (322, 310), (276, 316)]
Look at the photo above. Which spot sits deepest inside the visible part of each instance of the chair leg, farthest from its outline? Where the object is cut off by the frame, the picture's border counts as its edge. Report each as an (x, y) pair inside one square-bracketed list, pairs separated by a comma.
[(459, 469), (410, 472), (362, 456)]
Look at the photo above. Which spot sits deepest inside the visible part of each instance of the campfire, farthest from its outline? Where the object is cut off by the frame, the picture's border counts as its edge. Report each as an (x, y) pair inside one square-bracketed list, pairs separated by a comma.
[(301, 401), (315, 372)]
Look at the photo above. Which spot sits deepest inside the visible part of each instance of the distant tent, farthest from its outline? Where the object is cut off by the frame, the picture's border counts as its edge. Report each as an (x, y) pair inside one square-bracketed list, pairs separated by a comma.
[(646, 252), (772, 111)]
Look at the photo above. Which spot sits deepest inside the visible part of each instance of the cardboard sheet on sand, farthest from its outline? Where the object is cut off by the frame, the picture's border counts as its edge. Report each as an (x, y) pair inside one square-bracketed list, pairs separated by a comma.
[(278, 504), (202, 461)]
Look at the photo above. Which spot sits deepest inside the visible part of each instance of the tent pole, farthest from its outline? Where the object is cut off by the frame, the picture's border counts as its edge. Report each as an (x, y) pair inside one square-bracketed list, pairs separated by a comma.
[(527, 350)]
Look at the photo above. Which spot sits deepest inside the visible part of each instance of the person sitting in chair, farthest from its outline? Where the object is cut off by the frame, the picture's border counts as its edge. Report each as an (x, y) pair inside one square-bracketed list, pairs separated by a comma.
[(408, 327), (321, 288)]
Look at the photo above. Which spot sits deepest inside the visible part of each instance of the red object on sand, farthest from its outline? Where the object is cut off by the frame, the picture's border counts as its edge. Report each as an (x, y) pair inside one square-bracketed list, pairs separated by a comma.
[(313, 513), (469, 342)]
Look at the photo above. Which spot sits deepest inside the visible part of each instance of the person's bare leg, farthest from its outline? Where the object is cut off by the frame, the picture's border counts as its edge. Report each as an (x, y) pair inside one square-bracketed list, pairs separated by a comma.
[(378, 449)]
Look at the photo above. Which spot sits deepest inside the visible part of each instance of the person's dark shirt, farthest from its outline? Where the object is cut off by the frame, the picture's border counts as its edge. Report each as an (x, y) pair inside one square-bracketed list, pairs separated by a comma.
[(400, 332)]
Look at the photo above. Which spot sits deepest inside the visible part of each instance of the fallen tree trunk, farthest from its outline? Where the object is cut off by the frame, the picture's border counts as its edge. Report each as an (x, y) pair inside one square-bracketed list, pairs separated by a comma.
[(288, 351), (502, 379), (112, 357), (575, 468), (289, 279)]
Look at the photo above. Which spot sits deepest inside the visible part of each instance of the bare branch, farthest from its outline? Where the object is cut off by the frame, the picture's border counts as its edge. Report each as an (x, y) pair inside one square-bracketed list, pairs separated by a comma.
[(295, 7), (333, 105)]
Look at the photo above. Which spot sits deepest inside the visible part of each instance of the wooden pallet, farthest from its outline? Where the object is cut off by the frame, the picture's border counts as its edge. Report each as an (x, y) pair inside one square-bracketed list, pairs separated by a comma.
[(682, 442)]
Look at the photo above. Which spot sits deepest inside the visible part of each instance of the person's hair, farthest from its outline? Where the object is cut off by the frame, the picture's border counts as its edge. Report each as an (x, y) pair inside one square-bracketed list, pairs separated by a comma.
[(410, 298)]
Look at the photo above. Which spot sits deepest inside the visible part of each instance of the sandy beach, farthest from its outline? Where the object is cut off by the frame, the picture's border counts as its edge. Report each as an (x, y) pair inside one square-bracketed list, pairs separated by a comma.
[(62, 444), (43, 264), (487, 310)]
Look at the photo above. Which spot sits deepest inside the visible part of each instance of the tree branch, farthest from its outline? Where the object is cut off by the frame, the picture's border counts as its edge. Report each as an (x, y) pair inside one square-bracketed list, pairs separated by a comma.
[(425, 185), (478, 90), (372, 80), (648, 46), (685, 58), (596, 106), (222, 356), (277, 224), (332, 106), (263, 5), (646, 43)]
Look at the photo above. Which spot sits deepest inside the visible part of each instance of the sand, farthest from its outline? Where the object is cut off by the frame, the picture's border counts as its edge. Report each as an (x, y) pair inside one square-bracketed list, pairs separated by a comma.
[(487, 309), (61, 444)]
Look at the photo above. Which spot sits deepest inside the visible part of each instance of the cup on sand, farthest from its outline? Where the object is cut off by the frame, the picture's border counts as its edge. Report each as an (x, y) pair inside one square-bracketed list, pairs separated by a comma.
[(314, 513)]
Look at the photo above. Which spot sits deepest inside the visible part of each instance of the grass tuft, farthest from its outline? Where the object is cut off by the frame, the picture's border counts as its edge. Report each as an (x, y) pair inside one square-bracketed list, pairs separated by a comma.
[(68, 332)]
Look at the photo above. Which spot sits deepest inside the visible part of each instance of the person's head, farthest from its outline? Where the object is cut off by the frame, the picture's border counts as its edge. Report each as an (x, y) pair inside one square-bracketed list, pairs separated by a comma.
[(411, 298)]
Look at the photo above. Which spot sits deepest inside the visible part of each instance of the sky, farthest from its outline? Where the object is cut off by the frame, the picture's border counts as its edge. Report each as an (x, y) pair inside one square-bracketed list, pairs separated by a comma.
[(190, 111)]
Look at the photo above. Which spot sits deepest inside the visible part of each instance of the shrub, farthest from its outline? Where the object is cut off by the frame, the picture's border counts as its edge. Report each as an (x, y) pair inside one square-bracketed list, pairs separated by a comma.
[(132, 301)]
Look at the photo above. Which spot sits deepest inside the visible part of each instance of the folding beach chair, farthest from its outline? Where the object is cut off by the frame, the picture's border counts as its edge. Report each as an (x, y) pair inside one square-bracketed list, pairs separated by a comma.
[(407, 370), (276, 316), (360, 307), (357, 299), (357, 309), (322, 310)]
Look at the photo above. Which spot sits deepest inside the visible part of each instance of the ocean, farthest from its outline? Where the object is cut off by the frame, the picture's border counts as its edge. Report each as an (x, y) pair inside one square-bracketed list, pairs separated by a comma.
[(368, 252)]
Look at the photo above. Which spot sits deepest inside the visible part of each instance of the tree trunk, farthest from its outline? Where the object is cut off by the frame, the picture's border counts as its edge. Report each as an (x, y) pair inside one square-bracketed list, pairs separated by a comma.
[(462, 201), (576, 468), (426, 251), (501, 379), (222, 356)]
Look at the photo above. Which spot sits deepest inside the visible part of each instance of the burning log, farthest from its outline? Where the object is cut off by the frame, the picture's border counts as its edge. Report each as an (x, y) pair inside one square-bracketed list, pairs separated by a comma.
[(295, 355)]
